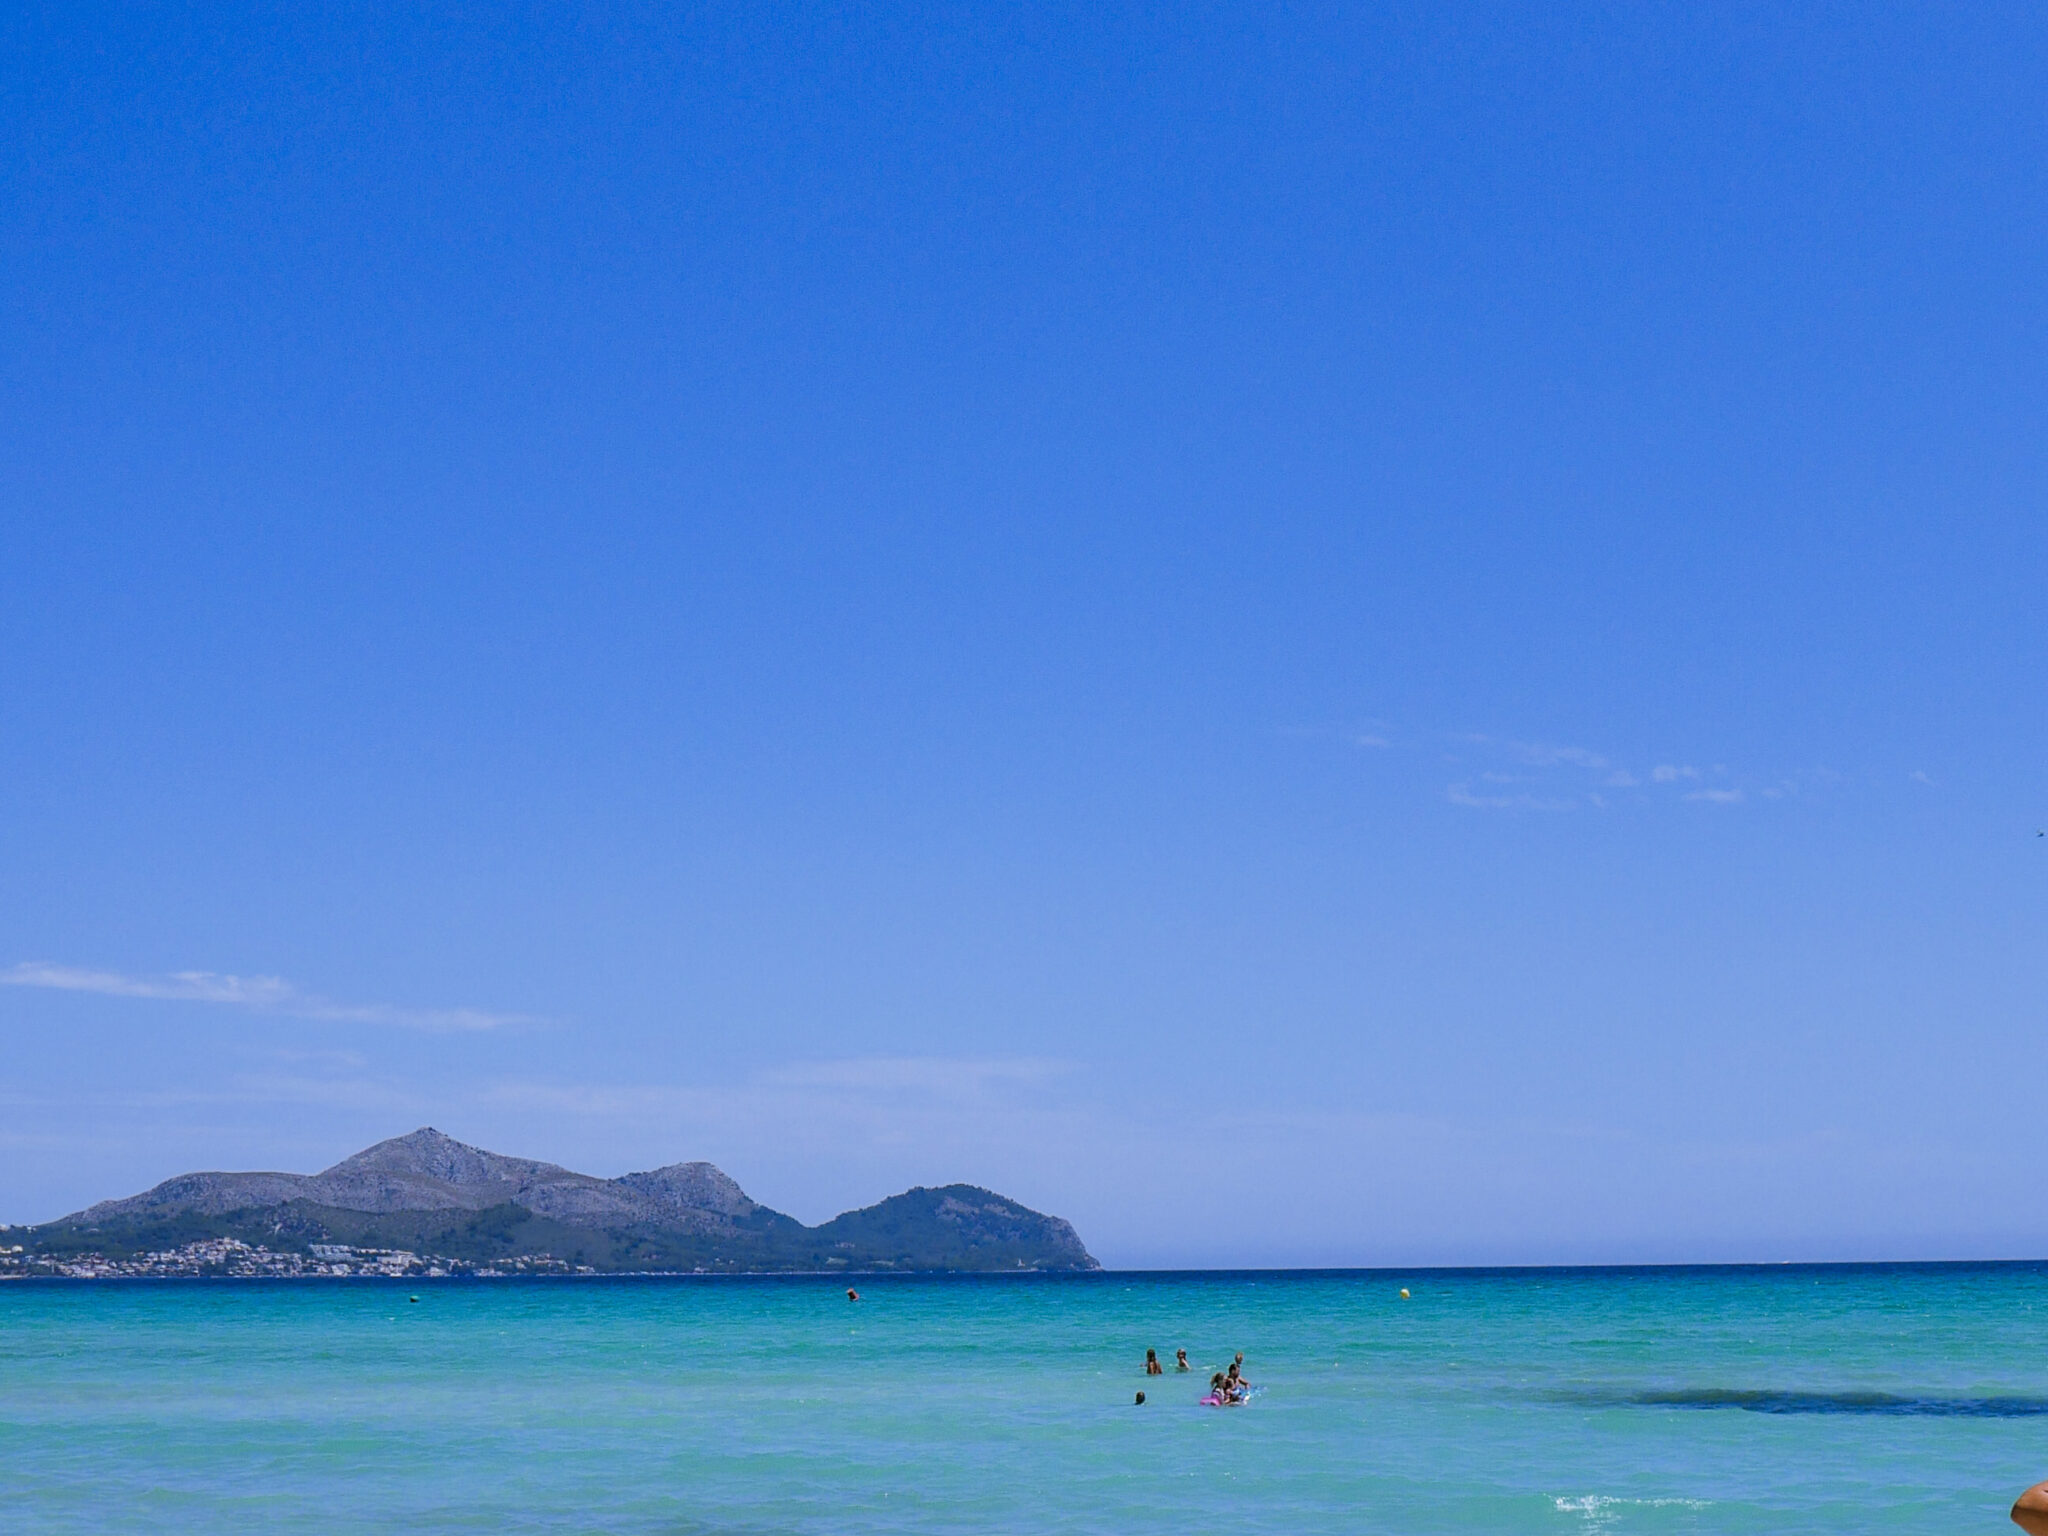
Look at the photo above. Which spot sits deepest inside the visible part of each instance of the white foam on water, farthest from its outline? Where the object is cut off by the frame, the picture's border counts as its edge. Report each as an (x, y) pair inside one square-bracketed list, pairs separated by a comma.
[(1600, 1509)]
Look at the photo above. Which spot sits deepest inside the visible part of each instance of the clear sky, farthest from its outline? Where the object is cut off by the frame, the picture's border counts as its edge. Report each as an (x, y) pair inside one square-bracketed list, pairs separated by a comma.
[(1306, 635)]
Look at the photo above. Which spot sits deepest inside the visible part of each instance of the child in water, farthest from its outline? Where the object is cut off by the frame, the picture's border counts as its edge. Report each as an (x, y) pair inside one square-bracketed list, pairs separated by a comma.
[(1180, 1360)]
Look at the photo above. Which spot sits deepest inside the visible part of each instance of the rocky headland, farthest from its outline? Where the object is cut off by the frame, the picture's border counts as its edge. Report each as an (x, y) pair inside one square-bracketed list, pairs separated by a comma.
[(426, 1204)]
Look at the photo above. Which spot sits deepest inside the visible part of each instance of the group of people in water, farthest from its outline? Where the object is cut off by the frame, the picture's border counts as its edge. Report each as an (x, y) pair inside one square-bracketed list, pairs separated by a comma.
[(1227, 1388)]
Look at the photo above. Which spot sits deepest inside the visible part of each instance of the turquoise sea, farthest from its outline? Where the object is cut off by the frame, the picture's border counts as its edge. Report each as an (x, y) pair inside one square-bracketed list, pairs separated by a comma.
[(1838, 1399)]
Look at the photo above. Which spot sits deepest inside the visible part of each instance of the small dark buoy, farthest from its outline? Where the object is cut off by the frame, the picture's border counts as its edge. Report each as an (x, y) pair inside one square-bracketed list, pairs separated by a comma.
[(1140, 1402), (852, 1294), (412, 1298)]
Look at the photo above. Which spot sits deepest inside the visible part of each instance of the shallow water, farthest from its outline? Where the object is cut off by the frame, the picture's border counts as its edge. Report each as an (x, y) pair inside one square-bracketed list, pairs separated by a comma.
[(1839, 1399)]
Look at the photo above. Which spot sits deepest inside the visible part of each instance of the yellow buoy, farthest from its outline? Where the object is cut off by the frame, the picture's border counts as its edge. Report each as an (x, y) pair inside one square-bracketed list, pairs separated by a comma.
[(1404, 1293)]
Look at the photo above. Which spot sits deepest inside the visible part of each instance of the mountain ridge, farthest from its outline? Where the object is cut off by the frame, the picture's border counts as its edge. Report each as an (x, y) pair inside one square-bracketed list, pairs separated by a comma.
[(468, 1206), (427, 1169)]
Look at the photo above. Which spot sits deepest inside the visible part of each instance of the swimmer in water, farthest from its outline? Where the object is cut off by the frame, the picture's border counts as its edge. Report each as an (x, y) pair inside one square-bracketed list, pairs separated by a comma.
[(1180, 1360), (1152, 1365), (852, 1294)]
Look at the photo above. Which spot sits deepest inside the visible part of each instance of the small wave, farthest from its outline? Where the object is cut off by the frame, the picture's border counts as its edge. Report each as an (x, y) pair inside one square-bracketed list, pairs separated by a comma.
[(1883, 1404), (1600, 1509)]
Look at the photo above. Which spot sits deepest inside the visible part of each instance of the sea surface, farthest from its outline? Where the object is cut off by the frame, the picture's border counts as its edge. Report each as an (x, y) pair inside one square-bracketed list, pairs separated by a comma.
[(1909, 1398)]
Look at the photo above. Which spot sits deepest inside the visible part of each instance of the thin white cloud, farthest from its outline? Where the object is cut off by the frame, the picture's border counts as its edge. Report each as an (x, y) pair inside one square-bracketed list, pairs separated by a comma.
[(181, 986), (1461, 794), (1508, 774), (259, 994)]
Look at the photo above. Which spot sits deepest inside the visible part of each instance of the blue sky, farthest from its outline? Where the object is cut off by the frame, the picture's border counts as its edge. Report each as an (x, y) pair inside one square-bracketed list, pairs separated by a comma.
[(1307, 635)]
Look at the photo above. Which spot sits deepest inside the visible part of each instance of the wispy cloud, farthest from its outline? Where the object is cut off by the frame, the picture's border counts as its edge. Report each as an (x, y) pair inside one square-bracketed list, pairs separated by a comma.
[(259, 994), (181, 986), (1545, 776), (1534, 776), (1505, 774), (1461, 794)]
